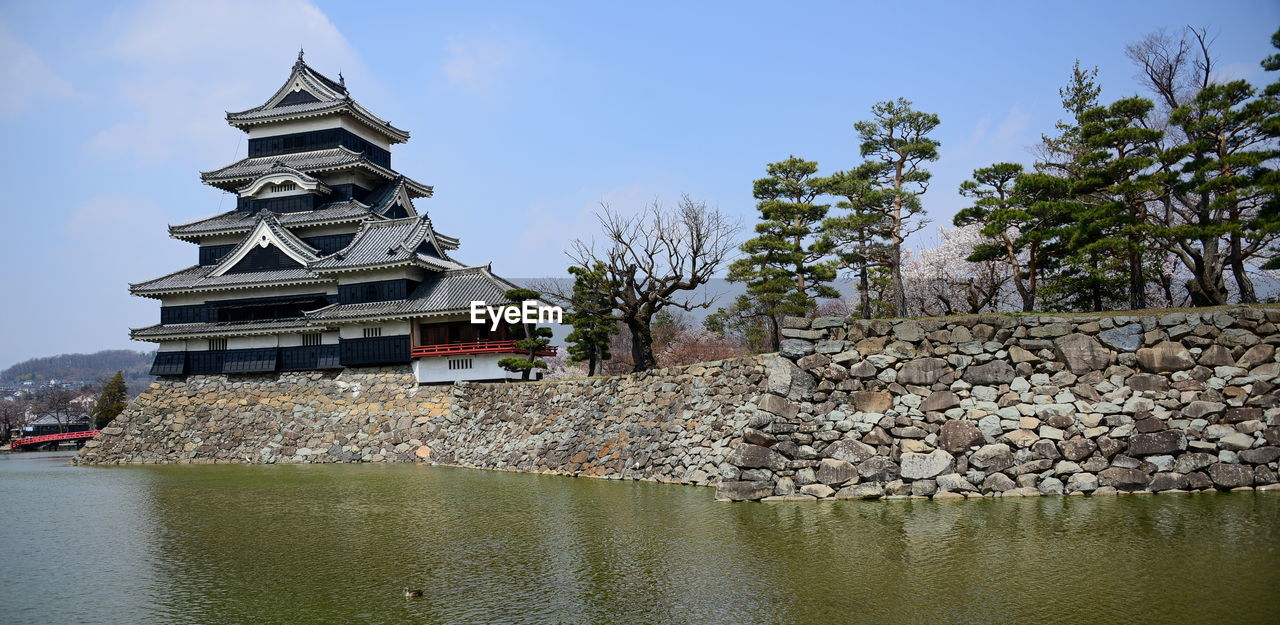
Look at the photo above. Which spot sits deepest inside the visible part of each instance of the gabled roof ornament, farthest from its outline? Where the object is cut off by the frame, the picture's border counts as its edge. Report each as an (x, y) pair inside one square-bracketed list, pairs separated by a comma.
[(300, 55), (342, 81)]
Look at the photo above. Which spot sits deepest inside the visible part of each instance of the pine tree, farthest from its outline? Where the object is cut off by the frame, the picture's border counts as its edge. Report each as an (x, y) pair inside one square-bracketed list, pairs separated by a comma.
[(785, 268), (531, 339), (112, 401), (1114, 221), (1022, 229), (1231, 134), (896, 144), (593, 328), (857, 238), (1215, 164), (1081, 279), (1268, 178), (745, 321)]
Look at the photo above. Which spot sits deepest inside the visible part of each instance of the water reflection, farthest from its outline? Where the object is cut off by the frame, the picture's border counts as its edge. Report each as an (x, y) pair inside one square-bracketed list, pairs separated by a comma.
[(295, 544)]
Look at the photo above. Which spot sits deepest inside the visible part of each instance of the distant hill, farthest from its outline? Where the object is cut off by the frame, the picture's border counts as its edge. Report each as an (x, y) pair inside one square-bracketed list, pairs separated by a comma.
[(82, 367)]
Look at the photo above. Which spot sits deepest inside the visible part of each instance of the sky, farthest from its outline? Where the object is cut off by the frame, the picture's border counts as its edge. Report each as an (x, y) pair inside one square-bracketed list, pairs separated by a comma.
[(525, 117)]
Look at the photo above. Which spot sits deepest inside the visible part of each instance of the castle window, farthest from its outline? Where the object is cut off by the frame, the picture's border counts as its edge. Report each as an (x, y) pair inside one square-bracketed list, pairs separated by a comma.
[(310, 340), (288, 185), (216, 345), (459, 363), (370, 333)]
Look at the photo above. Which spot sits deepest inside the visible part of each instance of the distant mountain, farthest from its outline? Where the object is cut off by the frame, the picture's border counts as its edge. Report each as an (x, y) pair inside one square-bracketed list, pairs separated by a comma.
[(720, 291), (82, 367)]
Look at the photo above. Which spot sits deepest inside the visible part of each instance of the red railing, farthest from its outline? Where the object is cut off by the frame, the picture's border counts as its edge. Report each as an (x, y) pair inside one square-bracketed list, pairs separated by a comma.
[(63, 436), (475, 347)]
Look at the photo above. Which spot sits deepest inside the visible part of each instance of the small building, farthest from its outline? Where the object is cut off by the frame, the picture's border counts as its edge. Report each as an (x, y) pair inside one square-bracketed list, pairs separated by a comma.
[(326, 262), (49, 424)]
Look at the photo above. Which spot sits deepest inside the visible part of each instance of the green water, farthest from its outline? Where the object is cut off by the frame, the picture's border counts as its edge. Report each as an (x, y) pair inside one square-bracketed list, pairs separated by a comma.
[(337, 543)]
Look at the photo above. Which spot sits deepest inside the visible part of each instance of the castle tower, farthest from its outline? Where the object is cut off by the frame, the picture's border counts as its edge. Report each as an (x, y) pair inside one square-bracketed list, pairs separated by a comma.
[(325, 263)]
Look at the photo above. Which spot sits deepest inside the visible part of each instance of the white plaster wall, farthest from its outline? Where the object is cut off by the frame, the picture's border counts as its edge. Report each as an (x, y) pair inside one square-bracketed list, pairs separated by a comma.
[(251, 342), (389, 328), (483, 367), (222, 239)]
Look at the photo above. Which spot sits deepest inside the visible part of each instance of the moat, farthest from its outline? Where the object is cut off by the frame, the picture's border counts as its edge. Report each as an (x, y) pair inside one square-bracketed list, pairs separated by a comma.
[(338, 543)]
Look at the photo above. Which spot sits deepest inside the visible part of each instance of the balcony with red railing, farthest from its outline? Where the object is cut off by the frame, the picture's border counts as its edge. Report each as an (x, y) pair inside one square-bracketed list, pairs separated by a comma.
[(475, 347)]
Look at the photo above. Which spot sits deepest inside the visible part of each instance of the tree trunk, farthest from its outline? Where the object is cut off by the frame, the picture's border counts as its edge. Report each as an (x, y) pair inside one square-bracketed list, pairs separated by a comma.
[(1033, 277), (775, 332), (899, 292), (864, 292), (1248, 295), (1137, 282), (641, 345), (1206, 287), (1028, 300)]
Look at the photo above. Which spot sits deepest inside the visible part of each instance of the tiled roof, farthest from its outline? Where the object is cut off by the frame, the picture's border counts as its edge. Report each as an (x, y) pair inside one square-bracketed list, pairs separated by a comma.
[(389, 242), (198, 278), (288, 109), (224, 328), (249, 168), (239, 173), (239, 221), (447, 291), (331, 97), (279, 168), (301, 251)]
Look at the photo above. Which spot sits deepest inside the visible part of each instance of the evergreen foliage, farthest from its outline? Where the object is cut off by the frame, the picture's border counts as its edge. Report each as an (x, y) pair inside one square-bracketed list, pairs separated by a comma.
[(112, 401), (896, 144), (1021, 227), (785, 266), (593, 327), (531, 339), (857, 238)]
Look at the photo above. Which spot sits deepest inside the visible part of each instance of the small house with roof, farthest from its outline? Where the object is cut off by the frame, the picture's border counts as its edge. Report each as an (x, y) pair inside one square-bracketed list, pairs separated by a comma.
[(326, 262)]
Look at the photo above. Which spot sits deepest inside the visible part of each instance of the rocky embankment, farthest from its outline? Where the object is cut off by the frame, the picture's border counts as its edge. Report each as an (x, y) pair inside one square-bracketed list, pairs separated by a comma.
[(944, 408), (670, 425), (1015, 406)]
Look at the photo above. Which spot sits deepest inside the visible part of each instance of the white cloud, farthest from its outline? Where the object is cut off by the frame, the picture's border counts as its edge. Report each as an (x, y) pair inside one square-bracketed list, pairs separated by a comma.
[(25, 76), (185, 64), (475, 64), (1013, 130)]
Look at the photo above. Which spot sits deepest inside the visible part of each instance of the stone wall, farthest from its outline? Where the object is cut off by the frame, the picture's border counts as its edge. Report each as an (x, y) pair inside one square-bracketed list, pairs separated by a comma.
[(955, 407), (670, 425), (1015, 406)]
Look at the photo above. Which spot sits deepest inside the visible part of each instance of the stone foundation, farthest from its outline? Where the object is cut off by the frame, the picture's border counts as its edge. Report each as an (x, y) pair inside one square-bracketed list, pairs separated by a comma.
[(974, 406), (1015, 406), (671, 425)]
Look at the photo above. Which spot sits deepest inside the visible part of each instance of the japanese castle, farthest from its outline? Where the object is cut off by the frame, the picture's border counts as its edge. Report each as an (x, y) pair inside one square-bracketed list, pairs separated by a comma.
[(325, 263)]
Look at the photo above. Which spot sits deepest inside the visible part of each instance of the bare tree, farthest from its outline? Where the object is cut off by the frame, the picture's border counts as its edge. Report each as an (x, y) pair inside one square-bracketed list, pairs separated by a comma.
[(655, 260), (56, 402), (13, 416)]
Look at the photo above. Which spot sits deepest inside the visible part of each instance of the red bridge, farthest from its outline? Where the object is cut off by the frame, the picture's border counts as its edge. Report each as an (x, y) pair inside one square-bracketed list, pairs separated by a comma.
[(475, 347), (50, 438)]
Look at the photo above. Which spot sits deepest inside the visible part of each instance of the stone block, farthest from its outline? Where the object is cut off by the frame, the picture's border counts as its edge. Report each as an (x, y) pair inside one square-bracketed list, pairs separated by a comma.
[(1166, 442), (743, 491), (917, 466), (1165, 357)]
